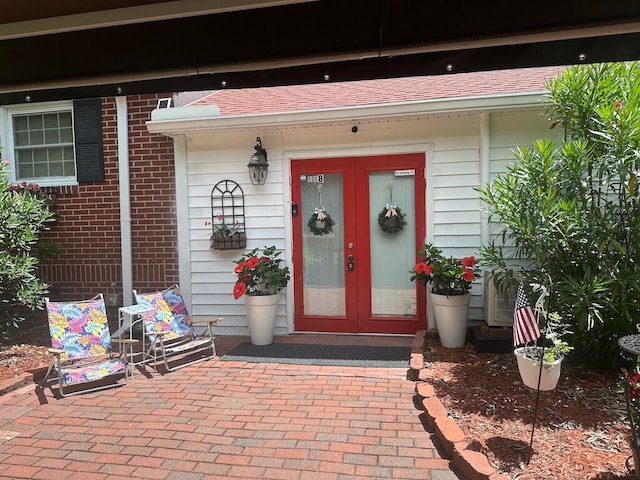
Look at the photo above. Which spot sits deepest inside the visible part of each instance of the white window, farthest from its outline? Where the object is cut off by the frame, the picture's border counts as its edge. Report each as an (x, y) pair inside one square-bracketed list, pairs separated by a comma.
[(39, 143)]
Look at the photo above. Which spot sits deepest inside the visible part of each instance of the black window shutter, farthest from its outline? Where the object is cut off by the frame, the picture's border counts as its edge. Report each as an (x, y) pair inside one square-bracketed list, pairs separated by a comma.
[(87, 119)]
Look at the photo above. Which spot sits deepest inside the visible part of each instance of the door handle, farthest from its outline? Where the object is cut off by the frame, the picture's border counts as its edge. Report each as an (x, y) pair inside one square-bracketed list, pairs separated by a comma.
[(351, 263)]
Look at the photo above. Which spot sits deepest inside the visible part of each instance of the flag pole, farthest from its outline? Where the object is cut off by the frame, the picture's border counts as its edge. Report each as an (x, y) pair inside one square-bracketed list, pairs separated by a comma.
[(526, 329), (540, 312), (535, 406)]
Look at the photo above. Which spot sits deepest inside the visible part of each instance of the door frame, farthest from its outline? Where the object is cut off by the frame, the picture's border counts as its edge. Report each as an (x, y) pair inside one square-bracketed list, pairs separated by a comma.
[(289, 156)]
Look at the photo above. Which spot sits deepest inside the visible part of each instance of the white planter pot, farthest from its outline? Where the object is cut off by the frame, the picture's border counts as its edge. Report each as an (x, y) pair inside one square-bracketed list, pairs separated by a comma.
[(261, 315), (530, 370), (452, 318)]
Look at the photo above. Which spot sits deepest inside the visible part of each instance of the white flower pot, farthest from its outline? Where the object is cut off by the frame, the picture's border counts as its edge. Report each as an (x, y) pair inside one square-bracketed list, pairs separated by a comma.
[(530, 370), (261, 315), (452, 318)]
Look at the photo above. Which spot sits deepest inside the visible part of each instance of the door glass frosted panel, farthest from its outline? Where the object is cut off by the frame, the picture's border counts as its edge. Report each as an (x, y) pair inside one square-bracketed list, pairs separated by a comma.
[(323, 255), (392, 254)]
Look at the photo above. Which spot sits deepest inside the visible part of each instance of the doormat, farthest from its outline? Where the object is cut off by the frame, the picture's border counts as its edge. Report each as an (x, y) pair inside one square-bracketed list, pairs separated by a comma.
[(310, 354)]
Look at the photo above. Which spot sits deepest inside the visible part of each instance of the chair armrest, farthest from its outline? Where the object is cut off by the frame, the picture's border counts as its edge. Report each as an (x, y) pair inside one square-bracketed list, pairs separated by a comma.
[(55, 351), (210, 321), (126, 341)]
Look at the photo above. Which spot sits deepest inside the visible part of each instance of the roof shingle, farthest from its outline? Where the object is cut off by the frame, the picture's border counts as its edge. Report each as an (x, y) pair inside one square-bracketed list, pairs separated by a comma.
[(375, 92)]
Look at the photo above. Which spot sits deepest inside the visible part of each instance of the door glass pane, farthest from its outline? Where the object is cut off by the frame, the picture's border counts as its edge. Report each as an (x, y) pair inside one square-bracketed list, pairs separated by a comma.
[(392, 254), (323, 255)]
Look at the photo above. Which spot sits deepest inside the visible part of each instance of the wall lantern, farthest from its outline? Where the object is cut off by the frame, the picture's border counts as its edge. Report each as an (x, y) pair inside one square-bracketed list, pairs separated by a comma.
[(258, 166)]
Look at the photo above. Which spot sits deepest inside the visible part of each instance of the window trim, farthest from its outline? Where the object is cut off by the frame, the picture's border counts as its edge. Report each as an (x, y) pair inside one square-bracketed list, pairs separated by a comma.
[(8, 146)]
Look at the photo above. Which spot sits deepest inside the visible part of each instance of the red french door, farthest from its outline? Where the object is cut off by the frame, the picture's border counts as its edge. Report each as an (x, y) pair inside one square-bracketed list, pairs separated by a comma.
[(349, 274)]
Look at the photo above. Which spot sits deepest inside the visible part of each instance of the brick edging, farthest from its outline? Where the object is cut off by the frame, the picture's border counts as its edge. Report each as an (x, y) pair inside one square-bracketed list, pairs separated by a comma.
[(14, 383), (23, 379), (471, 464)]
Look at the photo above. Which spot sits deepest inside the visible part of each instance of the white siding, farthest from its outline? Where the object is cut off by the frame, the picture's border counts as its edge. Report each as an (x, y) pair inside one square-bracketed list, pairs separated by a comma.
[(453, 171), (509, 130), (513, 129), (211, 159)]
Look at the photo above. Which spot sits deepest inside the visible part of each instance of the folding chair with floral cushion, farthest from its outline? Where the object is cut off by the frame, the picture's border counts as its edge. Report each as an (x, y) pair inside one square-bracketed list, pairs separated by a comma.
[(169, 332), (81, 346)]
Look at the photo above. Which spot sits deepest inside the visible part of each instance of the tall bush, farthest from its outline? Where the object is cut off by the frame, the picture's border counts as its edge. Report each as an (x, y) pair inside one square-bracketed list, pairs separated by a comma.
[(568, 213), (24, 214)]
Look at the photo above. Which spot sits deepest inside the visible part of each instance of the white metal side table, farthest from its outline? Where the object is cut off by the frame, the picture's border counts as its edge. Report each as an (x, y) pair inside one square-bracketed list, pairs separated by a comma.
[(127, 318)]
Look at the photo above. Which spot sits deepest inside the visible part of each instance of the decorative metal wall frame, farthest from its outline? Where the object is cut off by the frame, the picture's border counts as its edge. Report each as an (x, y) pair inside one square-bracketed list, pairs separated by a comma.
[(227, 216)]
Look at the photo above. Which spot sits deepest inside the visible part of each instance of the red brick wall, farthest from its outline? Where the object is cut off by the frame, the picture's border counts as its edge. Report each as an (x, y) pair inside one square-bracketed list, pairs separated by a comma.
[(88, 226)]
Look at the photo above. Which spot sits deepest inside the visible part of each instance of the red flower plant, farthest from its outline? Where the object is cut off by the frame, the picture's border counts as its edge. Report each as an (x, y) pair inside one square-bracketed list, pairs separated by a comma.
[(239, 289), (260, 274), (444, 275)]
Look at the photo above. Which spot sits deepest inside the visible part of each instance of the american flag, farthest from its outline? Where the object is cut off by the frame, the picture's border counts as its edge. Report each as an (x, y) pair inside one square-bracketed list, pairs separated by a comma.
[(525, 323)]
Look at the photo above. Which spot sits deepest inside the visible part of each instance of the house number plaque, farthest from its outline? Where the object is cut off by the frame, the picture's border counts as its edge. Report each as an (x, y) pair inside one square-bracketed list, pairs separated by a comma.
[(319, 178)]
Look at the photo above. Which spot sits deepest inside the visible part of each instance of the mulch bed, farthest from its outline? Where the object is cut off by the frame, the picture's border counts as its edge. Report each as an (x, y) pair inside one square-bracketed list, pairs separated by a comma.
[(581, 432)]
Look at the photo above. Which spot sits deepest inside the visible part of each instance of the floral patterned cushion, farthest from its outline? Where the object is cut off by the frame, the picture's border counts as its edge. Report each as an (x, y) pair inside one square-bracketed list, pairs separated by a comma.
[(181, 319), (160, 319), (80, 329), (91, 373)]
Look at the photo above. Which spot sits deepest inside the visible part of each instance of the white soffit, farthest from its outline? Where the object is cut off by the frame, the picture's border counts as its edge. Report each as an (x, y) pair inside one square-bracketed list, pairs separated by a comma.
[(178, 120)]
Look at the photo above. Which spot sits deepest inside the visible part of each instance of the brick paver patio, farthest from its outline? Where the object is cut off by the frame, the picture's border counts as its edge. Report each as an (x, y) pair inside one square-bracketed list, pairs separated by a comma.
[(219, 419)]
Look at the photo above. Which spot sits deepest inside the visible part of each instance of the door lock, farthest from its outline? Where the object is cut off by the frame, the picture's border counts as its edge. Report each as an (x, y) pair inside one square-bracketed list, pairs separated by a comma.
[(351, 263)]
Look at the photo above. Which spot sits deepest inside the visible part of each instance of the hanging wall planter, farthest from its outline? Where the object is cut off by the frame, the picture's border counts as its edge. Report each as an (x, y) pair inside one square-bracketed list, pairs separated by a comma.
[(220, 241), (227, 216)]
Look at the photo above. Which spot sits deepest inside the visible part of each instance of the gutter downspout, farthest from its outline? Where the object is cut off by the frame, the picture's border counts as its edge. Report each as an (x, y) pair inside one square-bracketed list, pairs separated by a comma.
[(125, 200), (485, 171)]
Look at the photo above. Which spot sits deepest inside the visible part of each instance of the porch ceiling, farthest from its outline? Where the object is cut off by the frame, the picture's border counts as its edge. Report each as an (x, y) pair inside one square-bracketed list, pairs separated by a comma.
[(72, 49)]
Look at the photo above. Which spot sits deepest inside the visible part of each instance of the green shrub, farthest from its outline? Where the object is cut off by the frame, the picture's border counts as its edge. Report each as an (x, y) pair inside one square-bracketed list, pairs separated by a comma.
[(568, 214), (23, 215)]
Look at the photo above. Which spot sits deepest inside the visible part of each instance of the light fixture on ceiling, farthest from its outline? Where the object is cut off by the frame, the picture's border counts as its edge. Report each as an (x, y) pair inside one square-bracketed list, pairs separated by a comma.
[(258, 166)]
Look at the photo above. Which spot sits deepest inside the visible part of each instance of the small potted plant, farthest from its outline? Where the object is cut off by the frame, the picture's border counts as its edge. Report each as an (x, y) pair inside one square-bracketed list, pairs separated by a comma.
[(550, 354), (449, 282), (540, 363), (260, 277)]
